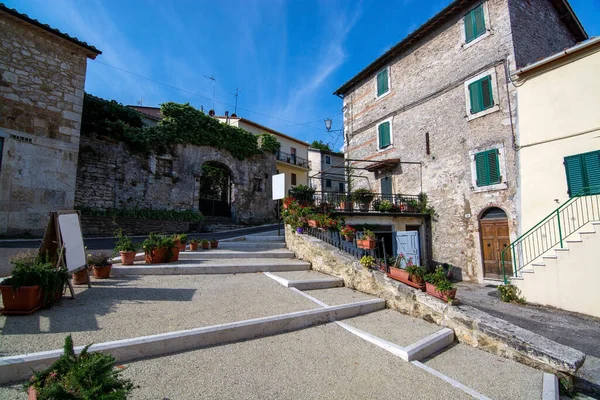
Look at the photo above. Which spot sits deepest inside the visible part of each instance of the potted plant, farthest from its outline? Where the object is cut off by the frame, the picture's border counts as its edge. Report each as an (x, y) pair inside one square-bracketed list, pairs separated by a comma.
[(100, 264), (171, 249), (304, 194), (367, 241), (182, 241), (83, 376), (416, 273), (363, 197), (81, 277), (300, 230), (287, 202), (125, 247), (205, 244), (367, 261), (154, 249), (346, 204), (312, 220), (214, 243), (438, 285), (194, 244), (33, 283), (383, 205), (397, 272), (348, 233)]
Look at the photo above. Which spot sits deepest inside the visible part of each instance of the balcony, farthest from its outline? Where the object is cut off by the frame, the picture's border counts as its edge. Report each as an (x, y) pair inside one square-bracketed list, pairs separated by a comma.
[(381, 203), (292, 159)]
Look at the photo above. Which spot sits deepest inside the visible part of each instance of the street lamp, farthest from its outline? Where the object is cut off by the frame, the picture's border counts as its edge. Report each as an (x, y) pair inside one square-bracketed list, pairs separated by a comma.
[(328, 126)]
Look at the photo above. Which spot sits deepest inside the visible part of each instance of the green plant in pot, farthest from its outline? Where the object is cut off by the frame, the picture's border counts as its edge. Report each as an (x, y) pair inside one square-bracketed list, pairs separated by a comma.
[(182, 241), (214, 243), (125, 247), (367, 261), (154, 249), (84, 376), (367, 240), (363, 197), (171, 248), (416, 273), (100, 264), (33, 283), (303, 194), (205, 244), (194, 244), (438, 285)]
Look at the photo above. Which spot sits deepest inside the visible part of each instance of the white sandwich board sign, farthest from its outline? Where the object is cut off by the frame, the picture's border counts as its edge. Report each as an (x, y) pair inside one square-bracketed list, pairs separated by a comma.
[(278, 186)]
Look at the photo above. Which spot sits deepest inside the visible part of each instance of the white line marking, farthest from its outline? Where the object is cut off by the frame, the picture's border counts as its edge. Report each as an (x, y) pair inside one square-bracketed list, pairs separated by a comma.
[(319, 302), (451, 381), (283, 281), (377, 341)]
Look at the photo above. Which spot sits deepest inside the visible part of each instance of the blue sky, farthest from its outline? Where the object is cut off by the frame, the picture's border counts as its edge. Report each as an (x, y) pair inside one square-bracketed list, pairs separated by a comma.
[(286, 56)]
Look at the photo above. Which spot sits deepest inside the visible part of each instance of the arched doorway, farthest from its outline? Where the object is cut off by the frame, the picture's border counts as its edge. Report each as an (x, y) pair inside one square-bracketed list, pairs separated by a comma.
[(216, 186), (495, 236)]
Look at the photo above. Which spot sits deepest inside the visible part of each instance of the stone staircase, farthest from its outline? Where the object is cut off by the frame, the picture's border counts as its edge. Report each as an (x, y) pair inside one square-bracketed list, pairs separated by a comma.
[(568, 277)]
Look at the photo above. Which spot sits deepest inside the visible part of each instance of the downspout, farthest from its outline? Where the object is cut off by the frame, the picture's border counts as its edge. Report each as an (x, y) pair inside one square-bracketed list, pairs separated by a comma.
[(512, 125)]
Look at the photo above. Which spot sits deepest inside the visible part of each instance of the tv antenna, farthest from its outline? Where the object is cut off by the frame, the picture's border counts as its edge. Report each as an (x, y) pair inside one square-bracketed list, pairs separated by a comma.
[(140, 102), (236, 94), (212, 78)]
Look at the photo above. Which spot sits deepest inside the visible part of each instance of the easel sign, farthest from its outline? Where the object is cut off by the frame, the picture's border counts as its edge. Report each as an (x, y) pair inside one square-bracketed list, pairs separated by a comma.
[(63, 243)]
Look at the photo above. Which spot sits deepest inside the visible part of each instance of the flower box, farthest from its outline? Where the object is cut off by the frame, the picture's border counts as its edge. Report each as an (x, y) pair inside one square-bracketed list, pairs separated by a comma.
[(312, 223), (24, 300), (402, 276), (445, 296), (367, 244)]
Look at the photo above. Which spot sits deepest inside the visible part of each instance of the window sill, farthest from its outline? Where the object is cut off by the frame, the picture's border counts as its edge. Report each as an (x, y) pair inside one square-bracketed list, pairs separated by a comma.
[(483, 113), (490, 188), (381, 150), (383, 95), (476, 40)]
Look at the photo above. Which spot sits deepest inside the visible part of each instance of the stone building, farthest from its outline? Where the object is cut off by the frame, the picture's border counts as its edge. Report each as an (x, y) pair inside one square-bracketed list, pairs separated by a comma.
[(42, 75), (327, 173), (436, 114)]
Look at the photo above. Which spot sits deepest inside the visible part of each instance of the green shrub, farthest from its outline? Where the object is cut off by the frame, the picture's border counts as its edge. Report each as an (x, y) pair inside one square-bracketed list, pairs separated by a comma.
[(144, 213), (87, 376), (362, 196), (268, 143), (99, 259), (124, 242), (367, 261), (510, 293)]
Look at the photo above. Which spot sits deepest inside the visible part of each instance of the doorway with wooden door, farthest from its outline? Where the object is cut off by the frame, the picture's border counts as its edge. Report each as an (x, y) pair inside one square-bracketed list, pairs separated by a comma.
[(495, 236)]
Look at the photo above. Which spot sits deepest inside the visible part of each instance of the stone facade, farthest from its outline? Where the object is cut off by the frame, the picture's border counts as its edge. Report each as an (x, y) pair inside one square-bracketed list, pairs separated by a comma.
[(322, 173), (427, 107), (105, 226), (110, 176), (42, 79), (471, 326)]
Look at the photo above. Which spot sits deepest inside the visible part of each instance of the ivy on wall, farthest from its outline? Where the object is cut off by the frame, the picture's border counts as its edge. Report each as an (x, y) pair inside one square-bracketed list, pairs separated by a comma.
[(181, 124)]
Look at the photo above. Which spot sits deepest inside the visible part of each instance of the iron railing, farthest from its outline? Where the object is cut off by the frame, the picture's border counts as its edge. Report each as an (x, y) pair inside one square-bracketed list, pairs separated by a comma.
[(343, 202), (552, 231), (292, 159), (335, 239)]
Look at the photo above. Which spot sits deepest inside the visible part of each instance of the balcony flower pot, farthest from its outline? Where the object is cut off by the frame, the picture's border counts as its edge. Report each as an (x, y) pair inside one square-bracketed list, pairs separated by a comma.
[(300, 230), (398, 274), (349, 238), (214, 244), (177, 242), (194, 246), (367, 244), (127, 257), (363, 206), (24, 300), (205, 245), (173, 255), (102, 272), (156, 256), (312, 223), (346, 205), (446, 295), (81, 277)]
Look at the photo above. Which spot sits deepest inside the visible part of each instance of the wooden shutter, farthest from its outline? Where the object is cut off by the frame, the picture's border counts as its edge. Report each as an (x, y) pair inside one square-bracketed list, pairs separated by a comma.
[(384, 135), (493, 167), (474, 24), (382, 82), (487, 97), (575, 176), (481, 95), (481, 169), (386, 186), (469, 31)]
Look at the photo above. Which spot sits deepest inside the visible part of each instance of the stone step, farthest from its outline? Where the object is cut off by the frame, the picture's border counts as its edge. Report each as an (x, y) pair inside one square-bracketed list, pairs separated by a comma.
[(224, 266), (243, 245), (260, 238), (246, 253), (305, 280)]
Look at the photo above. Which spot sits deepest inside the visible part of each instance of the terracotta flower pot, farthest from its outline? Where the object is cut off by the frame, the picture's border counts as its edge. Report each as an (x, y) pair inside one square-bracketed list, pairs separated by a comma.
[(176, 242), (346, 205), (127, 257), (24, 300), (102, 272), (174, 256), (367, 244), (194, 246), (81, 277), (445, 296), (182, 246), (156, 255), (206, 246), (417, 279), (349, 238), (398, 273), (31, 393), (312, 223), (214, 244)]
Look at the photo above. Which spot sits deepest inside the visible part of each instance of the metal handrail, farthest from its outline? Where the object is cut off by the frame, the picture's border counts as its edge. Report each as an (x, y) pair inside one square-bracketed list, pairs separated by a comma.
[(551, 231), (292, 159)]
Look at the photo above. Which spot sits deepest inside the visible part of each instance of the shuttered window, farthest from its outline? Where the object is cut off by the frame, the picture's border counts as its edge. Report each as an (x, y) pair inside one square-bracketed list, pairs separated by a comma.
[(481, 95), (382, 82), (384, 135), (328, 183), (474, 24), (487, 166), (583, 172), (293, 179)]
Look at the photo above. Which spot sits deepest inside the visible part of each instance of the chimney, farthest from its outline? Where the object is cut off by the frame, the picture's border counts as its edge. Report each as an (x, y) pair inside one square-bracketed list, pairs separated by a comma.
[(227, 117)]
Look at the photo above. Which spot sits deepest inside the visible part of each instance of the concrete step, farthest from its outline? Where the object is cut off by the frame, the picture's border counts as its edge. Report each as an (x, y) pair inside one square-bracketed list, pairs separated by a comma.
[(243, 245), (340, 295), (260, 238), (227, 253), (224, 266), (305, 280)]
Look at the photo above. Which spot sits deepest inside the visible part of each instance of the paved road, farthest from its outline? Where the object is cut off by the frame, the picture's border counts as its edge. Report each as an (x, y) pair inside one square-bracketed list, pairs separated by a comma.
[(8, 248)]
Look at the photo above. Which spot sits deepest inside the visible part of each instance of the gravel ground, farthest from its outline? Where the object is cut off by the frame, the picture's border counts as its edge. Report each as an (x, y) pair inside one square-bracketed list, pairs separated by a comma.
[(127, 307), (337, 296), (490, 375), (301, 275), (324, 362), (393, 326)]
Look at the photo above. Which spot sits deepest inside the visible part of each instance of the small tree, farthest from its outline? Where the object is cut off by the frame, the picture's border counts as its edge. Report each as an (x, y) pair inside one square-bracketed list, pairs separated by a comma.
[(319, 145)]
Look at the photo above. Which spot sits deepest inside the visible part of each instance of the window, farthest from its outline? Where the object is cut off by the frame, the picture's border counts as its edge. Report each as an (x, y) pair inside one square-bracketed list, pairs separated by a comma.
[(257, 187), (384, 134), (481, 95), (341, 187), (293, 179), (383, 82), (474, 24), (583, 171), (164, 166), (293, 151), (328, 183), (328, 160), (487, 167)]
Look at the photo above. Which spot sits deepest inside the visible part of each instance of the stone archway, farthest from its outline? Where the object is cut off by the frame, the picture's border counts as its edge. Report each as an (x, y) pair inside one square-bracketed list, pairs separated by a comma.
[(495, 236), (216, 189)]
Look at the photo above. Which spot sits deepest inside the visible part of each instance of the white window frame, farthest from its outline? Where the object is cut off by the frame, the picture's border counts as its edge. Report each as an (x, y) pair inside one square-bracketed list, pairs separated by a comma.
[(389, 82), (492, 73), (327, 158), (501, 161), (488, 28), (391, 146)]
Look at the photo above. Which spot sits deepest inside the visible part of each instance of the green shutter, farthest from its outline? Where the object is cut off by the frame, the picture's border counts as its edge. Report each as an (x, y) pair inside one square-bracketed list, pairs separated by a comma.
[(487, 97), (493, 167), (481, 94), (487, 166), (575, 175), (592, 171), (481, 167), (382, 82), (384, 135), (474, 24), (475, 96)]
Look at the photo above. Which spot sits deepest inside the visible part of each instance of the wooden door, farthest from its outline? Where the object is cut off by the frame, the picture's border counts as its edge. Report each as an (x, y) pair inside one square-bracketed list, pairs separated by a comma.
[(494, 238)]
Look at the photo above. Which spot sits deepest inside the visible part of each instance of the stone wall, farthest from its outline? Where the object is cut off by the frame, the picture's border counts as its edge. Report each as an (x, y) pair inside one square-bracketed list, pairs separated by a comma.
[(110, 176), (470, 325), (105, 226), (41, 97)]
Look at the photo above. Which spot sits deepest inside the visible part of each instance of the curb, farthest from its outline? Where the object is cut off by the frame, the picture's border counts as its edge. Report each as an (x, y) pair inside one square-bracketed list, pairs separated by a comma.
[(550, 389), (15, 368)]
